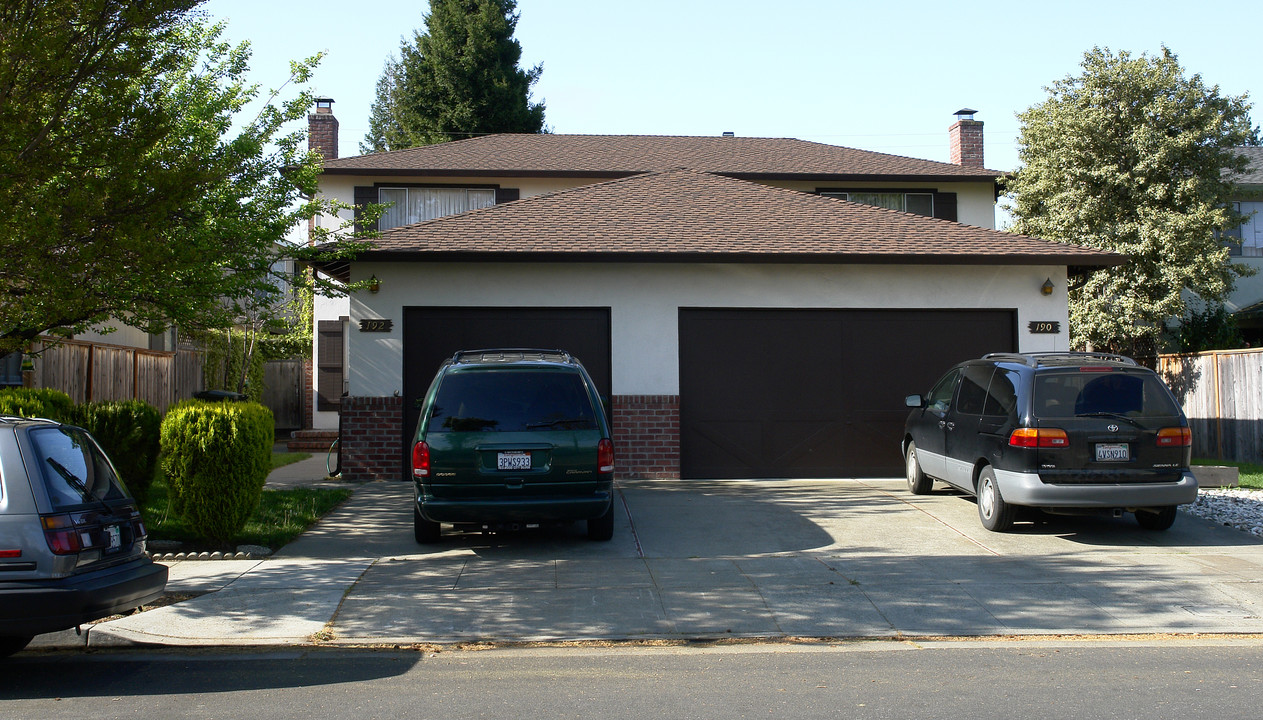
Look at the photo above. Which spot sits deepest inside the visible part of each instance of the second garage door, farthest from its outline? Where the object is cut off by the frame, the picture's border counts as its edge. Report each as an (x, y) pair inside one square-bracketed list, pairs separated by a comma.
[(814, 393)]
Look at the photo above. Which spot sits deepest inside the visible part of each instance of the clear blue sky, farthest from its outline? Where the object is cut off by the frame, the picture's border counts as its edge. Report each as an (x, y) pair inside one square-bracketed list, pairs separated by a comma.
[(871, 75)]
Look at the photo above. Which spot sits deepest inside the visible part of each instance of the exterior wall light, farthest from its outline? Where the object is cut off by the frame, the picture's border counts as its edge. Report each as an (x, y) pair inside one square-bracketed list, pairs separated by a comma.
[(1045, 289), (375, 285)]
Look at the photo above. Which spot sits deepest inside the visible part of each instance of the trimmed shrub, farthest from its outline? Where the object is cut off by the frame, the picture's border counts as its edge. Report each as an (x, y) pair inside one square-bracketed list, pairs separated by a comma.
[(38, 403), (216, 457), (129, 432)]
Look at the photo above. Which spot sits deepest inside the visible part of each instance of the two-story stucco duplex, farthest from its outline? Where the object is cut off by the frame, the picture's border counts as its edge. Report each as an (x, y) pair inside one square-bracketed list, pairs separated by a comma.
[(751, 307)]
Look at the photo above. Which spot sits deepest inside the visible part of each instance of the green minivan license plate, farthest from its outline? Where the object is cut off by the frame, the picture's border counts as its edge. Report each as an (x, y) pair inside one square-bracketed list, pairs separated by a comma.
[(513, 461)]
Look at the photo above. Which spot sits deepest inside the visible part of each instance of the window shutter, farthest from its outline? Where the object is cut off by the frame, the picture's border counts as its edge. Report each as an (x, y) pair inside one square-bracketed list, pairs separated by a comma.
[(504, 195), (945, 206), (364, 195), (330, 373)]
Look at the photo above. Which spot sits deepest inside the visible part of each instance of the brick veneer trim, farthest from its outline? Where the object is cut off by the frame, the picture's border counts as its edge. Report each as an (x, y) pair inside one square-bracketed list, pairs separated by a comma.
[(372, 438), (646, 437)]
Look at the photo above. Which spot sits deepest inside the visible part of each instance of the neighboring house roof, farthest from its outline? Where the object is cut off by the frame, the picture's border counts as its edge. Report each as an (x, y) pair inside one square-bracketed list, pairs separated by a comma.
[(1254, 173), (687, 216), (605, 156)]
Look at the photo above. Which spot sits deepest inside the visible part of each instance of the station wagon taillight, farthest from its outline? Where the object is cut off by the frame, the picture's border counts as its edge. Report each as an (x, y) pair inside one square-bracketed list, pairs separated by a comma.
[(61, 533), (1039, 438), (1175, 437), (605, 456), (421, 460)]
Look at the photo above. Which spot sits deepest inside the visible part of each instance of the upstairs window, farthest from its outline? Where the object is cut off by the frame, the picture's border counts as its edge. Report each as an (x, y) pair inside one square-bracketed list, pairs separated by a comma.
[(1251, 231), (915, 203), (417, 204)]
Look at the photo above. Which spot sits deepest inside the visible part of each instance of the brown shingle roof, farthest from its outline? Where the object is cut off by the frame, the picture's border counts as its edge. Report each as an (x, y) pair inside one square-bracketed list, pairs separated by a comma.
[(682, 215), (619, 155)]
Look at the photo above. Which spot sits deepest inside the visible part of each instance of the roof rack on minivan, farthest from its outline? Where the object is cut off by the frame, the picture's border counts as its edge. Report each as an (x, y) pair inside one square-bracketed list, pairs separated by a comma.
[(511, 355), (1035, 359)]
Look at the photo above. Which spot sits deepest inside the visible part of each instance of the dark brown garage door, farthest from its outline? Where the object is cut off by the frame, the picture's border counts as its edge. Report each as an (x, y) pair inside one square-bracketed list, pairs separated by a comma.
[(433, 334), (814, 393)]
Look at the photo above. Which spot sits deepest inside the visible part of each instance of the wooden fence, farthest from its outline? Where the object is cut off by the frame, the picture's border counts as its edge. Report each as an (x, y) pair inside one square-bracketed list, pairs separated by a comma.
[(93, 372), (1222, 394)]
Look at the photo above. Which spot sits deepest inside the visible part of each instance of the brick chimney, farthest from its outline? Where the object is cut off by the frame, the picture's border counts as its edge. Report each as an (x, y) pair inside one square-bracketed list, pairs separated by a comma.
[(322, 129), (965, 140)]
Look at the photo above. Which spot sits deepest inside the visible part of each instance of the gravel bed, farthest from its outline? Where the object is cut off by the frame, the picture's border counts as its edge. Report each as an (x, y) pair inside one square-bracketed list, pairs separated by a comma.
[(1238, 508)]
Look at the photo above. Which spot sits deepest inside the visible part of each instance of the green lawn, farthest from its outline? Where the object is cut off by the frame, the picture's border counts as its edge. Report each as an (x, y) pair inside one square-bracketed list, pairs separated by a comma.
[(282, 515), (281, 459), (1251, 473)]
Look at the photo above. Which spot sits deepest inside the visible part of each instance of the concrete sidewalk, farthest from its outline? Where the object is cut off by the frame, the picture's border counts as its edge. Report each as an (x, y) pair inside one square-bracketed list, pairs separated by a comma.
[(700, 560)]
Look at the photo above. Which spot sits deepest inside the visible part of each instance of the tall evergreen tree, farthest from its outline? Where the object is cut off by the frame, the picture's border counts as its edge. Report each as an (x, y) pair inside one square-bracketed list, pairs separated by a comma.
[(1130, 156), (460, 78)]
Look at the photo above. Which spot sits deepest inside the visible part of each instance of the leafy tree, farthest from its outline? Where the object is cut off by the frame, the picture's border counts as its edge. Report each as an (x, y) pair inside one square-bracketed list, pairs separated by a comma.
[(458, 79), (1210, 327), (128, 195), (1130, 156)]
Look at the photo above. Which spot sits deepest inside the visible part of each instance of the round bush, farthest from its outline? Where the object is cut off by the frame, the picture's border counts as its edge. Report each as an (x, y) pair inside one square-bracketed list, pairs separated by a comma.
[(38, 403), (216, 457), (129, 432)]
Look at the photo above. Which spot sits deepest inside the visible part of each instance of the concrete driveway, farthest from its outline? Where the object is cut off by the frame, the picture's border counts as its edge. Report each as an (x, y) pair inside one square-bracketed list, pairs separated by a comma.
[(704, 560)]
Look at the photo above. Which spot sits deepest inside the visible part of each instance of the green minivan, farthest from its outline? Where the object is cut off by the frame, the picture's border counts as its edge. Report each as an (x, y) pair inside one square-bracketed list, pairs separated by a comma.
[(512, 438)]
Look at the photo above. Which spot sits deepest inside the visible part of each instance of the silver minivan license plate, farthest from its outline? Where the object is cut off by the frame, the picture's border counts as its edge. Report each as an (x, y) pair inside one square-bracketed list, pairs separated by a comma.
[(1113, 452), (513, 461)]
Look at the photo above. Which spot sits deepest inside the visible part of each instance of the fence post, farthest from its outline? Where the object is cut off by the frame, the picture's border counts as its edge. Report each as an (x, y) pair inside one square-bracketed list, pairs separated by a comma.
[(87, 395), (1219, 414)]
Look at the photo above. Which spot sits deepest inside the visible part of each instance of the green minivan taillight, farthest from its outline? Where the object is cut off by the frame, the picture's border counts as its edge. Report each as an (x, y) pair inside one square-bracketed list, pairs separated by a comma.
[(421, 460), (605, 456)]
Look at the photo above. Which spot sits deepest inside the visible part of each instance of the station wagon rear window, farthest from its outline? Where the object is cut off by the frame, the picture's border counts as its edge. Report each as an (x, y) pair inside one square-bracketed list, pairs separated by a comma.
[(75, 472), (511, 401), (1075, 393)]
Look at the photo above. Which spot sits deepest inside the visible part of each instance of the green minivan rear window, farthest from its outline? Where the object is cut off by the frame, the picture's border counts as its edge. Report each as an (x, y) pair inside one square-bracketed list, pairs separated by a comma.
[(511, 401)]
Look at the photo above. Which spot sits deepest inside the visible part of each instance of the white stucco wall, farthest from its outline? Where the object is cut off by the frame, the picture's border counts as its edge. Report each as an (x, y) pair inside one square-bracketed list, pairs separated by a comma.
[(644, 300), (121, 334), (1247, 290)]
